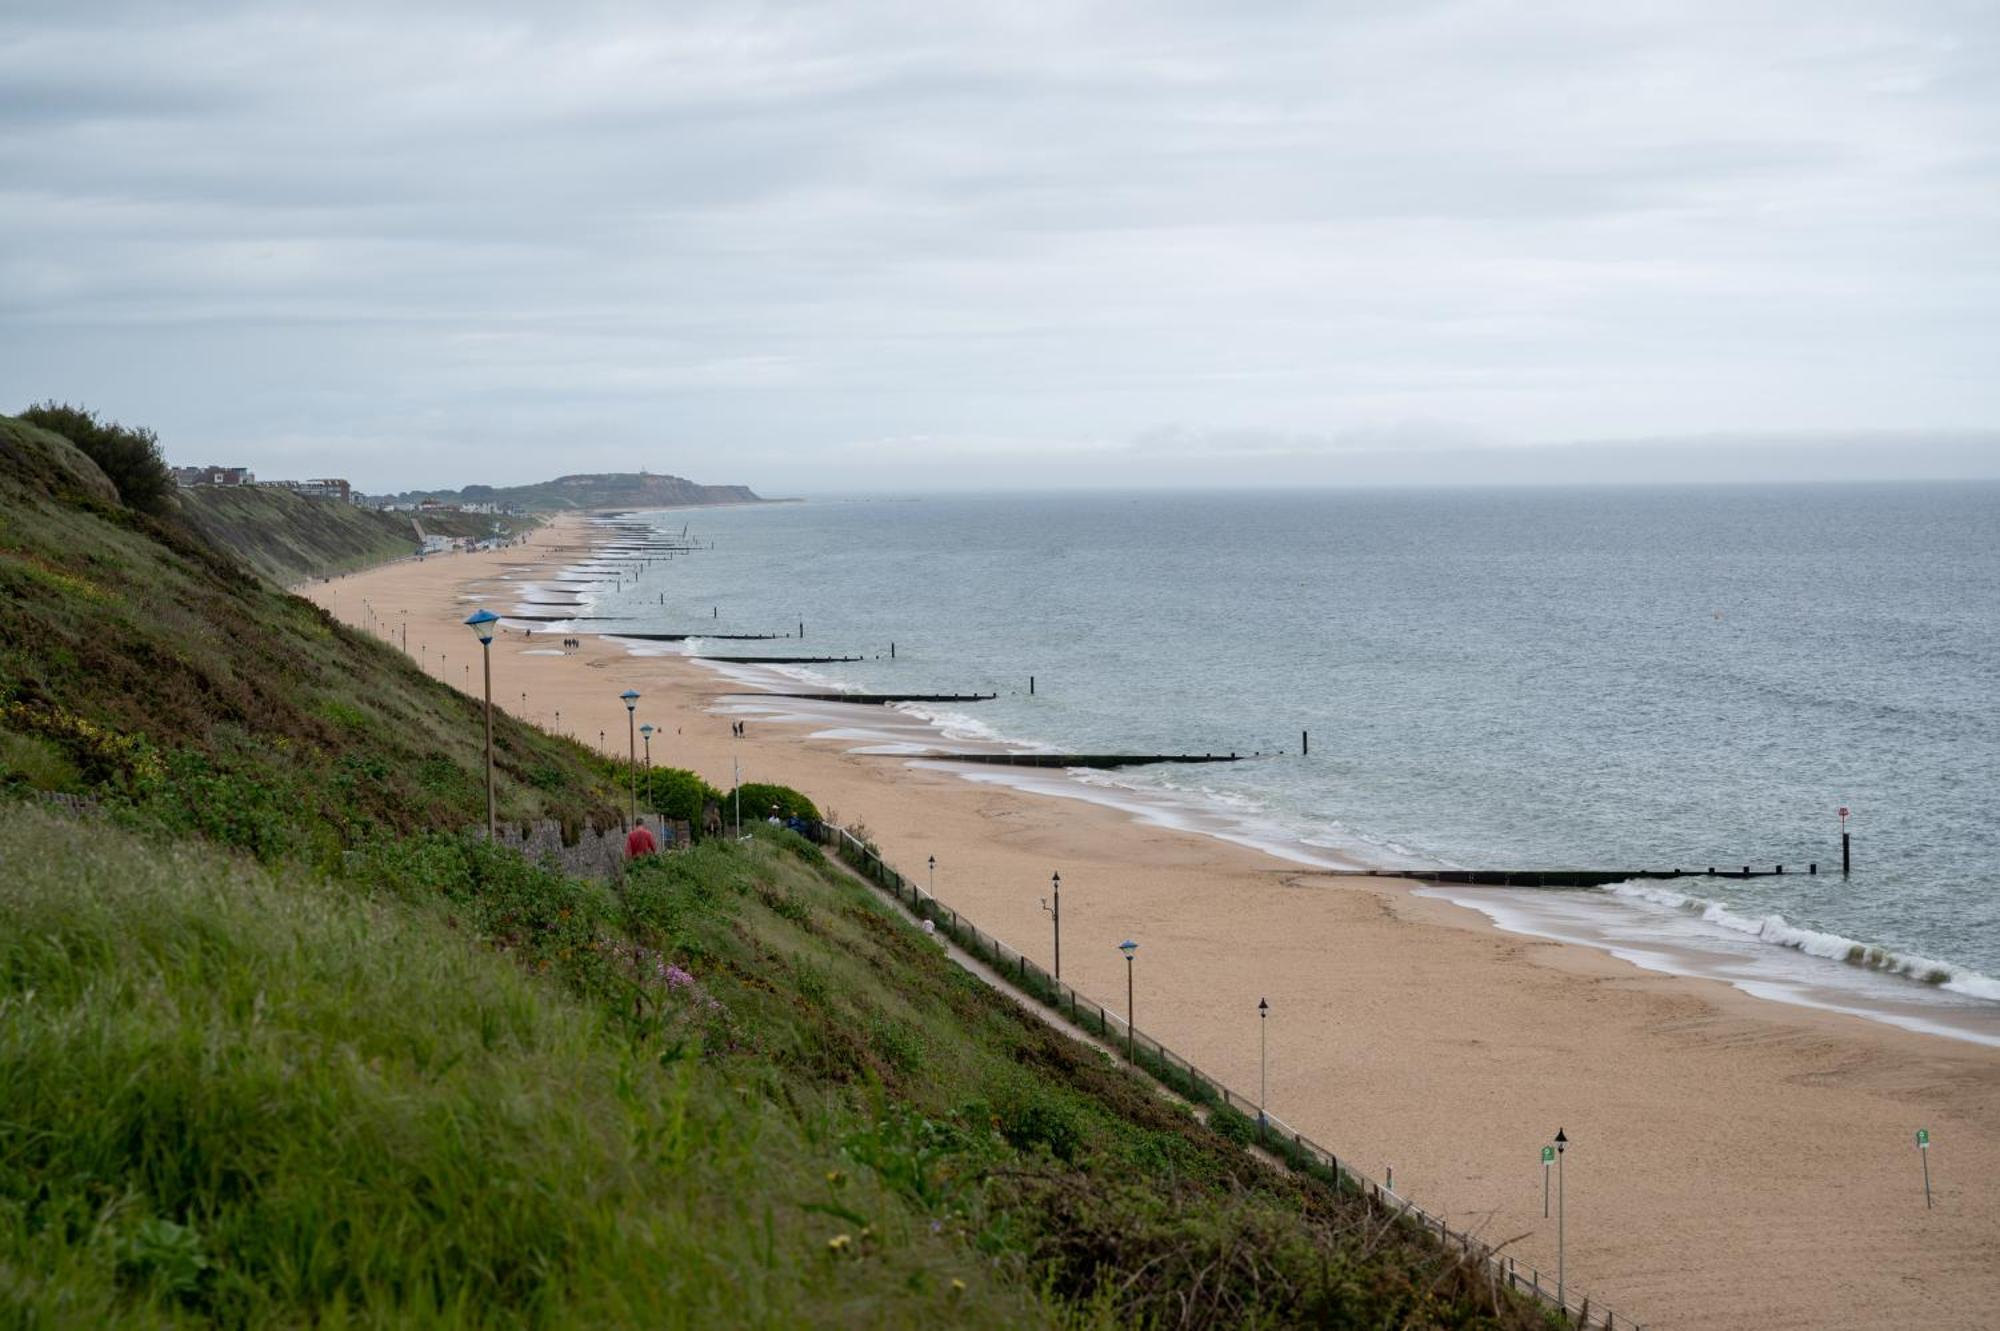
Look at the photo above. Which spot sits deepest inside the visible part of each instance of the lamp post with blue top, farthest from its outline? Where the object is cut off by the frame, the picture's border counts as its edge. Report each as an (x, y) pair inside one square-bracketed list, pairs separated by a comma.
[(631, 699), (481, 622)]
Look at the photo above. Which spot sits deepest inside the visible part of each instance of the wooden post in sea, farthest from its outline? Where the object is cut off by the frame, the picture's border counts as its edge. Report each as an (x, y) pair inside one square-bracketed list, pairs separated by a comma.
[(1031, 686), (1305, 743)]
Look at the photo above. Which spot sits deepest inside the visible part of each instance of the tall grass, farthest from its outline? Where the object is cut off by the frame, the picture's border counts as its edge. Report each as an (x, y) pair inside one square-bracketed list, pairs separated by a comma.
[(227, 1098)]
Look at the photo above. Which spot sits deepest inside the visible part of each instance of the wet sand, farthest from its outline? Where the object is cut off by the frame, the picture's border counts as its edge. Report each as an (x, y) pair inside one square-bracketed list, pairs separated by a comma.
[(1734, 1162)]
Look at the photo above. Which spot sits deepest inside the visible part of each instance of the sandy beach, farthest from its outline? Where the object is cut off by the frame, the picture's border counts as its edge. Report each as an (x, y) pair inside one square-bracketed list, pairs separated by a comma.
[(1734, 1162)]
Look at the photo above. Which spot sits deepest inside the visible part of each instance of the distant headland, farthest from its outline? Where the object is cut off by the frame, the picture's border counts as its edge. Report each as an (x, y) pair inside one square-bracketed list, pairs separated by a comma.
[(601, 490)]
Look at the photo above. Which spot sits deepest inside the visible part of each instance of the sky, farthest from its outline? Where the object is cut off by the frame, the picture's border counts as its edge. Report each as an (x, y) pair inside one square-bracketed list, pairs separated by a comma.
[(860, 245)]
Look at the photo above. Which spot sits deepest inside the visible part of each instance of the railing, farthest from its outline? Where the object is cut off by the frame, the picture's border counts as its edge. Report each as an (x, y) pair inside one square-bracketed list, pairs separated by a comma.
[(1290, 1147)]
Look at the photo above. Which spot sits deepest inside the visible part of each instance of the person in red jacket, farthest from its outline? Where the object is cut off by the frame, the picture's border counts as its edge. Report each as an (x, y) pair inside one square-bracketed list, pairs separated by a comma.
[(639, 841)]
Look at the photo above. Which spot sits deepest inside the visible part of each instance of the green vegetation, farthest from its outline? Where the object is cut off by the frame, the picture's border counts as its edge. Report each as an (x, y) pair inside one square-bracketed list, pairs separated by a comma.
[(289, 538), (281, 1045), (145, 669), (449, 1088), (130, 459)]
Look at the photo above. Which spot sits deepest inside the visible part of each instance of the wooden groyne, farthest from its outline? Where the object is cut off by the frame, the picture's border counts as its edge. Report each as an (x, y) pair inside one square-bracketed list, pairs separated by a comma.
[(720, 637), (873, 699), (1098, 760), (780, 660), (1557, 878)]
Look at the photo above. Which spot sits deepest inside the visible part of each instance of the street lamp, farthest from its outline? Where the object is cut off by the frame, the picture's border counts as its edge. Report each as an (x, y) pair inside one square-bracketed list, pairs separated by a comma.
[(646, 733), (1128, 947), (631, 697), (1263, 1047), (481, 622), (933, 886), (1561, 1143), (1055, 885)]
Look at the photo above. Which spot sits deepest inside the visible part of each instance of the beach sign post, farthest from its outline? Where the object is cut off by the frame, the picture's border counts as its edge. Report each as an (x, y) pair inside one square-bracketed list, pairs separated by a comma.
[(1846, 862), (1562, 1142), (1924, 1150), (1548, 1161)]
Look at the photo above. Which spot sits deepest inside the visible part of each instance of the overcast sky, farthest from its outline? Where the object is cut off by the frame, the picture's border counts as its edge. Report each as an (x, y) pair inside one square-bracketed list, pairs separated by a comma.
[(861, 245)]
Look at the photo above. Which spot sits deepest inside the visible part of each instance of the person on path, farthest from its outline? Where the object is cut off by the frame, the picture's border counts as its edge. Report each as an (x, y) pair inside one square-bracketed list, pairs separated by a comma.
[(639, 841)]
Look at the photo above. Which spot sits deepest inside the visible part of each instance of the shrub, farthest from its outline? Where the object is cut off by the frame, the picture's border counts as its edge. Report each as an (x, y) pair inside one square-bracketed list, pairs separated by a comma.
[(759, 796), (130, 458), (1232, 1125), (1031, 1117), (682, 794)]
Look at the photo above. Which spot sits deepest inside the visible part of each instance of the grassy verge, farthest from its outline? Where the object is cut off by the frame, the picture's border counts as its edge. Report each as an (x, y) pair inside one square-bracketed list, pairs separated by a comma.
[(448, 1088)]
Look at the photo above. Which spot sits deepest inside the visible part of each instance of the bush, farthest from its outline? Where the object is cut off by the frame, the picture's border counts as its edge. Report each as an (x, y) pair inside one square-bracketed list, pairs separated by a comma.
[(130, 458), (759, 797), (683, 795), (1031, 1118), (1230, 1125)]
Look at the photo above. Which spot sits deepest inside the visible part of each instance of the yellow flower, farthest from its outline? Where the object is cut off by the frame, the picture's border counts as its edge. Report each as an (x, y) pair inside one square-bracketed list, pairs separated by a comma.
[(957, 1285), (838, 1244)]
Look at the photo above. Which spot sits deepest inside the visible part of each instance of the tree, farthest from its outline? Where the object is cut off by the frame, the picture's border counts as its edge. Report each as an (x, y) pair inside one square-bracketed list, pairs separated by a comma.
[(131, 458)]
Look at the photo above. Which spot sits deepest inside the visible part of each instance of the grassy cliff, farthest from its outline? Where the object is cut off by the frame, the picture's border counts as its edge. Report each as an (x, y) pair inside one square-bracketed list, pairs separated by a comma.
[(288, 537), (281, 1045), (146, 669)]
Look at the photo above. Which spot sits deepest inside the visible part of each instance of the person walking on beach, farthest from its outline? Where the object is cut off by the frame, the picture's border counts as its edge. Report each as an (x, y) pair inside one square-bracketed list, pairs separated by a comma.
[(639, 841)]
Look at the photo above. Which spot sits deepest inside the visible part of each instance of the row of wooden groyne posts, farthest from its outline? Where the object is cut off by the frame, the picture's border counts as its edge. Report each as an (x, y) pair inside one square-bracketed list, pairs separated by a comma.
[(640, 543)]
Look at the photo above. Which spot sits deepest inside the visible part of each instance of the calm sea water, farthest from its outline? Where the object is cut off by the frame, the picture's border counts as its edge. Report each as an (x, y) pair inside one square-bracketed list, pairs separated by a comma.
[(1595, 677)]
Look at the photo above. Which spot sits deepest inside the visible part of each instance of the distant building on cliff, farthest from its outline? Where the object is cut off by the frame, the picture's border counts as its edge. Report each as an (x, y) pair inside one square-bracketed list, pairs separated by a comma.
[(324, 488), (190, 477)]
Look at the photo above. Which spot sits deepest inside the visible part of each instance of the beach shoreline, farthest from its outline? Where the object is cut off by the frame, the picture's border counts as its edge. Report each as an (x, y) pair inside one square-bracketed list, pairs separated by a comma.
[(1405, 1029)]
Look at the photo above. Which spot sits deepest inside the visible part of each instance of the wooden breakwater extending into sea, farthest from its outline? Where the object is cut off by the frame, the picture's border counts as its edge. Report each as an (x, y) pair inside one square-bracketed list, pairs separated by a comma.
[(1552, 877), (771, 660), (719, 637), (873, 699), (1101, 761), (1285, 1146)]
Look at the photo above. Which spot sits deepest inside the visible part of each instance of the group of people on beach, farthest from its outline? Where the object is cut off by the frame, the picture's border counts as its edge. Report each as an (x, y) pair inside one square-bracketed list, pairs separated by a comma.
[(736, 729)]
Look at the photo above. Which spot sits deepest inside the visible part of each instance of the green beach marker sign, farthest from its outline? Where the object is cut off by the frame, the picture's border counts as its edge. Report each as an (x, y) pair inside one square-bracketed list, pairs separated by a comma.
[(1548, 1158), (1924, 1150)]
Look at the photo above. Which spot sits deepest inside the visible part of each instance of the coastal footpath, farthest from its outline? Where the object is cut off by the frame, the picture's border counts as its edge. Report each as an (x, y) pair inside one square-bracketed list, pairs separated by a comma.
[(1733, 1162)]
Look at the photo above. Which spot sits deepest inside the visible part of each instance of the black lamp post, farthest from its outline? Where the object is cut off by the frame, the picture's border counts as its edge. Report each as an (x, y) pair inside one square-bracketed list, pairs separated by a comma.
[(1128, 947), (1263, 1058), (1055, 911)]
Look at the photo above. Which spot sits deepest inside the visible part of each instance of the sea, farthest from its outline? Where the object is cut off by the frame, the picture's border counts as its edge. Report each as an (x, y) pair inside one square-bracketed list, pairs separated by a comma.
[(1593, 677)]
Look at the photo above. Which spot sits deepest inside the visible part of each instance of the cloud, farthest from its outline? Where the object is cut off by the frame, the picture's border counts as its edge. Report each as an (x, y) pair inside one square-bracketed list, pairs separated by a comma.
[(508, 239)]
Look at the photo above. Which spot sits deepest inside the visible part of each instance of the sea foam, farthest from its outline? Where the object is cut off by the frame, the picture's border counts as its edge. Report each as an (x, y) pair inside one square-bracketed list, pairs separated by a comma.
[(1776, 930)]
